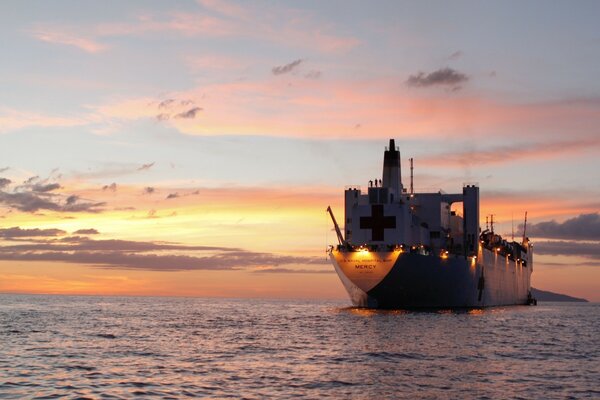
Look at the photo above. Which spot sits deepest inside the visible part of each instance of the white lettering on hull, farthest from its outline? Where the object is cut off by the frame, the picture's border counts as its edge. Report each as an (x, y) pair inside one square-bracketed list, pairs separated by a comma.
[(365, 268)]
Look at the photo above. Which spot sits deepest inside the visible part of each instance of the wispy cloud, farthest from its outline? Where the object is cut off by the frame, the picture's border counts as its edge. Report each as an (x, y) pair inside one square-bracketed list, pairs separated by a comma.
[(456, 55), (58, 36), (89, 231), (189, 114), (447, 77), (18, 232), (146, 167), (163, 110), (44, 187), (35, 194), (32, 202), (167, 103), (112, 187), (284, 69), (500, 154), (275, 24), (110, 171)]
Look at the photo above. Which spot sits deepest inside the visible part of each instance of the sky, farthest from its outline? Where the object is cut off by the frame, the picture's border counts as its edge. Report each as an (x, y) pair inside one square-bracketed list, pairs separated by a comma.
[(190, 148)]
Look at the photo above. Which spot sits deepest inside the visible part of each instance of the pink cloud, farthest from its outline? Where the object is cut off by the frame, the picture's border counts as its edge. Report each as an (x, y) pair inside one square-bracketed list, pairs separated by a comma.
[(271, 24), (187, 24), (57, 36), (292, 106), (514, 151)]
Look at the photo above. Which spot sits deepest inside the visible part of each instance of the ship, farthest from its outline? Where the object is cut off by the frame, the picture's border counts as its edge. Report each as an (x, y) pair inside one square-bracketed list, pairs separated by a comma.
[(401, 249)]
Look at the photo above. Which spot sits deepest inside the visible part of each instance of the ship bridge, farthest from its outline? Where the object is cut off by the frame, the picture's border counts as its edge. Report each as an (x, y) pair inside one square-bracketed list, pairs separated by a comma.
[(387, 214)]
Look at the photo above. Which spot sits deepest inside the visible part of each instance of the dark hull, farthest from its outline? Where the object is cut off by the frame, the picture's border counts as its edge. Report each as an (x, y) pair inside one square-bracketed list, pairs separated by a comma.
[(426, 281)]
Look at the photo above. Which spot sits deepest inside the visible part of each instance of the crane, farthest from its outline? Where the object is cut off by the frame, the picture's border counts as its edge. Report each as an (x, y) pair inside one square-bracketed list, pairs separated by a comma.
[(337, 228)]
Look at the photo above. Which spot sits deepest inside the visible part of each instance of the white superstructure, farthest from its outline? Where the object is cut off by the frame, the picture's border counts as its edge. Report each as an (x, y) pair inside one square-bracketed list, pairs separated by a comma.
[(394, 238)]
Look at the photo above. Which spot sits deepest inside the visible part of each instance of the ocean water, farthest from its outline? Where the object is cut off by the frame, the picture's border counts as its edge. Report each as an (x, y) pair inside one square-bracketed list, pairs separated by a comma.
[(124, 347)]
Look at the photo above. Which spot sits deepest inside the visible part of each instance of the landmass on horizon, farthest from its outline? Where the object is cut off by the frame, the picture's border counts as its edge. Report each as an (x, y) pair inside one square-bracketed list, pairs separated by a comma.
[(543, 295)]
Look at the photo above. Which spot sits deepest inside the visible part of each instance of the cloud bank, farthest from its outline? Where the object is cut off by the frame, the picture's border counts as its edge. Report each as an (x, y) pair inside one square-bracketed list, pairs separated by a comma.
[(138, 255), (582, 227), (34, 195)]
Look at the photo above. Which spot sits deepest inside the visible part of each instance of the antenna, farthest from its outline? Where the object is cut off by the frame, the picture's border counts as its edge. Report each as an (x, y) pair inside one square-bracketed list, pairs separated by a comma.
[(524, 227), (512, 216), (411, 176), (492, 222), (487, 226)]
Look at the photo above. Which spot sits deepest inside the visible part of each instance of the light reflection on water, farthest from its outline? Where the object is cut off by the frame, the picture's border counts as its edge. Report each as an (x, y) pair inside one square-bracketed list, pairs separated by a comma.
[(188, 347)]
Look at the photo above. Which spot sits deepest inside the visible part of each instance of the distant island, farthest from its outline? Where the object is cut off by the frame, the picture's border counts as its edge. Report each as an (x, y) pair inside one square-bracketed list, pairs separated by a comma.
[(542, 295)]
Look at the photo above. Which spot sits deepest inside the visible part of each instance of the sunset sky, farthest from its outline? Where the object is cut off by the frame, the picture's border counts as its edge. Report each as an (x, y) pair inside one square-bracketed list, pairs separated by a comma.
[(190, 148)]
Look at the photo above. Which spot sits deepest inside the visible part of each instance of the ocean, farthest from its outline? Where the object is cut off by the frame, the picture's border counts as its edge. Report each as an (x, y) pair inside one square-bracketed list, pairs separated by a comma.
[(165, 348)]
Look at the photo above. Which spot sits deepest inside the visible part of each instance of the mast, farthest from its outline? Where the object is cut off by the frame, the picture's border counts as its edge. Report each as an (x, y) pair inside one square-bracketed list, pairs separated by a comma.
[(411, 176), (513, 227), (524, 228), (337, 228)]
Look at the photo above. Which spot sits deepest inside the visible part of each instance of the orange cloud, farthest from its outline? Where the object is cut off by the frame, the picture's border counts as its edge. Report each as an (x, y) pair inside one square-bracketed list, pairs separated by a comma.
[(539, 206), (283, 220)]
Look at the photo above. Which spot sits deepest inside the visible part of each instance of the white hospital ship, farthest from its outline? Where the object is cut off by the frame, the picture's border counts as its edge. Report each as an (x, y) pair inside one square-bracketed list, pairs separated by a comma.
[(409, 250)]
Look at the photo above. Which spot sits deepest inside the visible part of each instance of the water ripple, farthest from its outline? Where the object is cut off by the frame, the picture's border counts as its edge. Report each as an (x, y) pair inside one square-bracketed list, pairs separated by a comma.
[(167, 348)]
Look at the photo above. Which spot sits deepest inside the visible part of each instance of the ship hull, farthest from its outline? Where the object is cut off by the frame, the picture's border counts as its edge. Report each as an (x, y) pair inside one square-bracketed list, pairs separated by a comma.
[(394, 279)]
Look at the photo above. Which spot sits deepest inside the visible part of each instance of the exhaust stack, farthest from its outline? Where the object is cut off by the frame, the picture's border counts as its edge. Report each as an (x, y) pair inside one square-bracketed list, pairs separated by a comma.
[(392, 175)]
